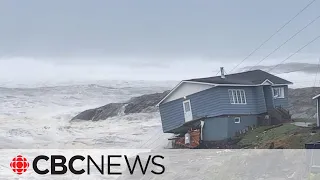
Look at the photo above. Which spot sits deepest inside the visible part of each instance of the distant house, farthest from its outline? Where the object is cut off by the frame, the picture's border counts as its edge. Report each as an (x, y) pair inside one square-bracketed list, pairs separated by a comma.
[(225, 105), (317, 97)]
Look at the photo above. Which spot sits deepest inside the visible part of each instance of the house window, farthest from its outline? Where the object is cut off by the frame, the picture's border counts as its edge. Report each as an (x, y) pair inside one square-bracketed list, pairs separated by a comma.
[(187, 106), (237, 120), (278, 92), (237, 96)]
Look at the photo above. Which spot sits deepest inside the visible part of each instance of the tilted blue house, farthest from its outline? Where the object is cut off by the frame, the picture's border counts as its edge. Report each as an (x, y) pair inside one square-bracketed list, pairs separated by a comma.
[(224, 105)]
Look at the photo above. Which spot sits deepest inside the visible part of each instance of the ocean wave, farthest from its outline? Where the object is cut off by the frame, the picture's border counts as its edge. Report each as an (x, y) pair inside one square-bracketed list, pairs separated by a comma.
[(19, 132), (38, 117)]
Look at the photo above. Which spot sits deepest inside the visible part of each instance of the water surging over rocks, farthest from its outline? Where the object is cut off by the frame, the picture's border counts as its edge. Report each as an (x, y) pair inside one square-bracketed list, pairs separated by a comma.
[(301, 105), (145, 103)]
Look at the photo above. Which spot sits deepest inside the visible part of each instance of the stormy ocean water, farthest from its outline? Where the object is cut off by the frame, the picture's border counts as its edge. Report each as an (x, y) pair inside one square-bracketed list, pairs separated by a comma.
[(39, 116), (36, 120)]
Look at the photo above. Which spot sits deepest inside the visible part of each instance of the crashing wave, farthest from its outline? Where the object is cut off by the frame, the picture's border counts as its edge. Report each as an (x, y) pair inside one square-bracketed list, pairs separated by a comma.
[(140, 104)]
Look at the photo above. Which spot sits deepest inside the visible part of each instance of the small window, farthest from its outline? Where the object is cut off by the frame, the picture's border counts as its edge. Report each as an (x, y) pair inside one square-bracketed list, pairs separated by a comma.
[(187, 106), (237, 96), (237, 120), (278, 92)]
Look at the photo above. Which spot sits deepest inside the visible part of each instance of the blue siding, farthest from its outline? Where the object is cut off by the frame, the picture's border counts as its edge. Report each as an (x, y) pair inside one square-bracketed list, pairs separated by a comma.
[(225, 107), (220, 128), (215, 129), (205, 103), (245, 121), (261, 103), (172, 115), (268, 94), (283, 102), (211, 103)]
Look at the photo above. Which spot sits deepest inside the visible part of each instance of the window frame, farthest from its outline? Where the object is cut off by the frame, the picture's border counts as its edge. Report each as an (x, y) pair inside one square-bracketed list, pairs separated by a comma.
[(239, 120), (236, 96), (279, 90), (184, 105)]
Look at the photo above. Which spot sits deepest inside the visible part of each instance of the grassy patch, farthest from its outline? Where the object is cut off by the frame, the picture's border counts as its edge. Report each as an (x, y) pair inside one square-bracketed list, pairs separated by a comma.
[(286, 136), (310, 120)]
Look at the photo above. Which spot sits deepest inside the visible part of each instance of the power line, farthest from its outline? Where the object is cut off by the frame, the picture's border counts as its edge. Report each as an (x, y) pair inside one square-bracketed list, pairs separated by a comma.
[(217, 72), (264, 42), (303, 82), (286, 41), (313, 40), (297, 70), (150, 139), (220, 71), (313, 89)]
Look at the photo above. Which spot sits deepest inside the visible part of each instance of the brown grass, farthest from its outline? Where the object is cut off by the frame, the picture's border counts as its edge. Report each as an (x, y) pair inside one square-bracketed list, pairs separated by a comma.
[(287, 136)]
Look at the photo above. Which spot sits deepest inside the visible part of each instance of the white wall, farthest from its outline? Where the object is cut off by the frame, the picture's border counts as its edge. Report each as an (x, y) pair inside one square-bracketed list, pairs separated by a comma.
[(186, 89)]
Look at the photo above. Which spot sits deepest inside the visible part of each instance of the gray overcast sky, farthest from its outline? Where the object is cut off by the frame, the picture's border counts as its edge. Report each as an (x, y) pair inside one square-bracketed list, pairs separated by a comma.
[(101, 31)]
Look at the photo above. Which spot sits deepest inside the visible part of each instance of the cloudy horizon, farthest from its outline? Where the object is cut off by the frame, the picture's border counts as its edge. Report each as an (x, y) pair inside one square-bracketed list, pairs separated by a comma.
[(143, 40)]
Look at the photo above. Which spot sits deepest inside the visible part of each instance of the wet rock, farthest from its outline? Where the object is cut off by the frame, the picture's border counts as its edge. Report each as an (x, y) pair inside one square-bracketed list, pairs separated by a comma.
[(144, 103), (301, 105)]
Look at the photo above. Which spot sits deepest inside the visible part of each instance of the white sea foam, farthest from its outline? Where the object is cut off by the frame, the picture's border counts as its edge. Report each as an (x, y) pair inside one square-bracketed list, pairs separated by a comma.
[(39, 117)]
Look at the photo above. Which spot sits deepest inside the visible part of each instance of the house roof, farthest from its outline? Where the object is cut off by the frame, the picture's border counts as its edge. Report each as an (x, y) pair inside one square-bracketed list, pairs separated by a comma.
[(317, 96), (254, 77), (248, 78)]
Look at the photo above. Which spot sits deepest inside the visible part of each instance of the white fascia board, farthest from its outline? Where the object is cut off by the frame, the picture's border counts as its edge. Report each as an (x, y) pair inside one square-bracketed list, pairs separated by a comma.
[(282, 84), (176, 87), (194, 82), (317, 96), (245, 85), (170, 93), (240, 85), (267, 81)]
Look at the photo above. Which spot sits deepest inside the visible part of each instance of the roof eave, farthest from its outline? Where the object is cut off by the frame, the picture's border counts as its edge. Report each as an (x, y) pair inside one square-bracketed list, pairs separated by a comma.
[(184, 81), (283, 84), (214, 84), (316, 97)]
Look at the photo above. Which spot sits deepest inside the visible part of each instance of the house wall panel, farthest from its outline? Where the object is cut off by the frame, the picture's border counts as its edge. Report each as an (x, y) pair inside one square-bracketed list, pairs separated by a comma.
[(225, 106), (223, 127), (215, 129), (283, 102), (268, 94), (211, 103), (260, 100), (245, 122), (172, 115)]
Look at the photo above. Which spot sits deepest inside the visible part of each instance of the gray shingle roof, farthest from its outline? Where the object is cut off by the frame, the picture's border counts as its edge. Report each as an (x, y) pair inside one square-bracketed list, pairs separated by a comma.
[(254, 77)]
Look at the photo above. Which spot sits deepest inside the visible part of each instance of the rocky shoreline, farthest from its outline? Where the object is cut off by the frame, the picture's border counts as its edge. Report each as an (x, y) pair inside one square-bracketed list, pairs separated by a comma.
[(301, 105), (145, 103)]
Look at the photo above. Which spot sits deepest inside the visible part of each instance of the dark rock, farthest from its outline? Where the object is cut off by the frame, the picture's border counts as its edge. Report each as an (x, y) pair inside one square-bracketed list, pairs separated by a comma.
[(301, 105), (137, 104), (144, 103), (86, 115)]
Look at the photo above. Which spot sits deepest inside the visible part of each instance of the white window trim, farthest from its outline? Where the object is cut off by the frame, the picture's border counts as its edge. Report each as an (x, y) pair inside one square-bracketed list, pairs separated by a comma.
[(235, 96), (281, 92), (239, 120)]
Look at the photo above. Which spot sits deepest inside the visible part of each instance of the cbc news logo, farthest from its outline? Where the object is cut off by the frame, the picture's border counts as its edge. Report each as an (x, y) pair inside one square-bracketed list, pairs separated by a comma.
[(59, 164), (19, 164)]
